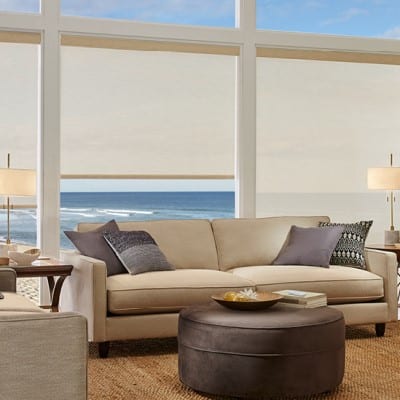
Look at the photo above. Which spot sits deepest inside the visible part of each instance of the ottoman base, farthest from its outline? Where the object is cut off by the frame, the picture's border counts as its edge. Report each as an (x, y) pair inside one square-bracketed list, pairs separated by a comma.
[(259, 360)]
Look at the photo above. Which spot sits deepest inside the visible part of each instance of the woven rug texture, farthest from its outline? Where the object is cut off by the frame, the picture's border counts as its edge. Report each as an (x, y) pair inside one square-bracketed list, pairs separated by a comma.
[(148, 370)]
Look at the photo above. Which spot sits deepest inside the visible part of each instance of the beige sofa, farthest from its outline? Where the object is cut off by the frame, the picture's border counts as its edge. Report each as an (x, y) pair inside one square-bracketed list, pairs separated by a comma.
[(43, 354), (212, 257)]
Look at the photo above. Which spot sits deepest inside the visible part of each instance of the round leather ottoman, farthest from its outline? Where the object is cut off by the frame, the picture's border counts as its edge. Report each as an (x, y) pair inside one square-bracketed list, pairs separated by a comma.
[(281, 351)]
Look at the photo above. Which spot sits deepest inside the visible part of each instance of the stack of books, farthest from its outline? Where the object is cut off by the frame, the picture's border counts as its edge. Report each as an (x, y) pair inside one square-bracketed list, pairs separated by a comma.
[(299, 298)]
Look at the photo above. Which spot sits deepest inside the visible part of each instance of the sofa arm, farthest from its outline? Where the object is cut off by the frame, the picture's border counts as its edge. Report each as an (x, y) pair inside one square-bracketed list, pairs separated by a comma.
[(384, 264), (43, 356), (8, 280), (85, 292)]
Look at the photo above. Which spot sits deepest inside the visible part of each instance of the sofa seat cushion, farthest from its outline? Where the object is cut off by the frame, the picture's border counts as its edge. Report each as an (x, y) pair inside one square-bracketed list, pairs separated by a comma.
[(168, 291), (13, 303), (341, 284)]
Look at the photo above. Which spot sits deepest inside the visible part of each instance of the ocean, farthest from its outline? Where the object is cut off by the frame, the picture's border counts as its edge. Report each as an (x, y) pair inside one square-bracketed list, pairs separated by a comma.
[(127, 206), (121, 206)]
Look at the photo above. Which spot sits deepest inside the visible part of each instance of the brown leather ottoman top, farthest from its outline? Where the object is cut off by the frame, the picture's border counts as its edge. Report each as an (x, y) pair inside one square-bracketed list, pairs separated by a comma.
[(281, 351)]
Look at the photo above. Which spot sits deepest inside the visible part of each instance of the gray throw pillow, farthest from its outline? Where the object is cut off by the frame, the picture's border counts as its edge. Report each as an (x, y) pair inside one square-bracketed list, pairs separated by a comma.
[(349, 250), (137, 251), (309, 246), (92, 244)]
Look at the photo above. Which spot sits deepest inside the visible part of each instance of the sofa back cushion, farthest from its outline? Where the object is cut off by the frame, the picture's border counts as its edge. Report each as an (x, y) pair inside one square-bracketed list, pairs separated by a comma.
[(185, 243), (244, 242)]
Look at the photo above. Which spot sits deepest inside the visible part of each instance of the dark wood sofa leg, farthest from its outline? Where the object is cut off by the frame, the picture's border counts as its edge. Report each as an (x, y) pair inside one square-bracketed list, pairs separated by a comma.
[(380, 329), (103, 349)]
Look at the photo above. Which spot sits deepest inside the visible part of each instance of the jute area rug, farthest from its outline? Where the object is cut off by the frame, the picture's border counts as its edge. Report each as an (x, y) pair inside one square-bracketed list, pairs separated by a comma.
[(148, 370)]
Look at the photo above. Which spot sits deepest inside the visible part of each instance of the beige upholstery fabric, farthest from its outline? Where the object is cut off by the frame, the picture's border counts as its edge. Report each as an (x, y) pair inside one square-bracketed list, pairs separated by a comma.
[(8, 279), (13, 302), (341, 284), (167, 291), (384, 264), (185, 243), (85, 292), (43, 356), (142, 326), (256, 241)]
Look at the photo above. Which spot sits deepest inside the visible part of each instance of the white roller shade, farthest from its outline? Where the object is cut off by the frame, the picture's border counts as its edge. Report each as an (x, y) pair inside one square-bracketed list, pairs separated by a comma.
[(146, 113), (18, 104)]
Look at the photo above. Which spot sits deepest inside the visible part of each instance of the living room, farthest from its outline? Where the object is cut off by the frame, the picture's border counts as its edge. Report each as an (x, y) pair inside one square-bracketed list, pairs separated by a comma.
[(243, 108)]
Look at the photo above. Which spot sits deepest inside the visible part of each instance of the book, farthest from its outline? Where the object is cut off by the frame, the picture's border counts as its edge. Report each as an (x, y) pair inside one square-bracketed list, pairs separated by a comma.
[(302, 298)]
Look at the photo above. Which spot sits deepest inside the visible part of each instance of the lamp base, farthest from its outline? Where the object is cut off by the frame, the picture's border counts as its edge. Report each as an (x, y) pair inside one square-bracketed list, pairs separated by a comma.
[(5, 248), (391, 237)]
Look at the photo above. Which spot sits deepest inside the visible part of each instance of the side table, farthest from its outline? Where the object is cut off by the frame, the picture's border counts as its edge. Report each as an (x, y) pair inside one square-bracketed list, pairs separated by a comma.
[(48, 268), (392, 249)]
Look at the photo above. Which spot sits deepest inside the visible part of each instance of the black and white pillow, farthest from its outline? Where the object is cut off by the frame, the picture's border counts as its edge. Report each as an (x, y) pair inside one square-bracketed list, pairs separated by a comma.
[(138, 251), (350, 248)]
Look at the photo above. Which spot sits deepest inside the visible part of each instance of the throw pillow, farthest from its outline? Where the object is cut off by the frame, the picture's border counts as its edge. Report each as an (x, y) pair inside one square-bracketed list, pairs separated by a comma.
[(350, 249), (92, 244), (138, 251), (309, 246)]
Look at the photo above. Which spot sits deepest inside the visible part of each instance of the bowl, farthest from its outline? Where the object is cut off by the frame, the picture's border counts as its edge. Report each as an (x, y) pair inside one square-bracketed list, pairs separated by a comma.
[(263, 301), (24, 258)]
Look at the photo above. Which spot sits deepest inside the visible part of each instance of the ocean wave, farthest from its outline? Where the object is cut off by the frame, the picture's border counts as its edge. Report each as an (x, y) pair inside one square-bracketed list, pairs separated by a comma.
[(75, 209), (80, 214), (124, 213)]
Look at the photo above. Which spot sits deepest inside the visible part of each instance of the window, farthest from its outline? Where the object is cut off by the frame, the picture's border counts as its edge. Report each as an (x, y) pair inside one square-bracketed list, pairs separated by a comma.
[(24, 6), (367, 18), (320, 125), (129, 200), (164, 118), (18, 127), (190, 12)]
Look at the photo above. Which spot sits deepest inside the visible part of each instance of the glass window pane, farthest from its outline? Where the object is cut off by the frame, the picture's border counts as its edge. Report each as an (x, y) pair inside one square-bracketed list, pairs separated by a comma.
[(189, 12), (28, 6), (320, 126), (367, 18), (18, 130), (139, 200), (144, 112)]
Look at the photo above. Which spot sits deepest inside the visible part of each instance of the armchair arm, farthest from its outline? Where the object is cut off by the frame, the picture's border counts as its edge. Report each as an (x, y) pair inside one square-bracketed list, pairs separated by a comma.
[(43, 356), (384, 264), (8, 280), (85, 292)]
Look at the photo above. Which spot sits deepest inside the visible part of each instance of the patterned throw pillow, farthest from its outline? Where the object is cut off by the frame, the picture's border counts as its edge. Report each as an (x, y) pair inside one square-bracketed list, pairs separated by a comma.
[(138, 251), (350, 249)]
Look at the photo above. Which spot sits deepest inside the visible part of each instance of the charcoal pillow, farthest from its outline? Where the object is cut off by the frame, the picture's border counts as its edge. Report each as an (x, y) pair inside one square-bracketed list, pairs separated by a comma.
[(349, 251), (92, 244), (309, 246), (138, 251)]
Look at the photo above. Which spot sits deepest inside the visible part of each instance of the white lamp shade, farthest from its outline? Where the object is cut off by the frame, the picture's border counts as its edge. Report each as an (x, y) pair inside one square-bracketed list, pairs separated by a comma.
[(387, 178), (17, 182)]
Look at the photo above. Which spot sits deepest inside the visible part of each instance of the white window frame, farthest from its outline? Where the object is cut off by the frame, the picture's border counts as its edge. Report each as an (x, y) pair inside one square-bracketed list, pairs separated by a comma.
[(51, 25)]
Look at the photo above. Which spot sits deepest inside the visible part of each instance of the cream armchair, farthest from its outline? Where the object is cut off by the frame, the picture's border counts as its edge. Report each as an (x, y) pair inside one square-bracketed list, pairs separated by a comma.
[(43, 355)]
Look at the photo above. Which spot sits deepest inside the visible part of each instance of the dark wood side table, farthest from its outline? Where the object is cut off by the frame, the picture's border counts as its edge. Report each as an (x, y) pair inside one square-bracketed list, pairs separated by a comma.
[(48, 268), (392, 249)]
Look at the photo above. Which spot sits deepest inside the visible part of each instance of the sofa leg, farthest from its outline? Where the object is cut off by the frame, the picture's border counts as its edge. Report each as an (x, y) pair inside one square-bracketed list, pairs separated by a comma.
[(380, 329), (103, 349)]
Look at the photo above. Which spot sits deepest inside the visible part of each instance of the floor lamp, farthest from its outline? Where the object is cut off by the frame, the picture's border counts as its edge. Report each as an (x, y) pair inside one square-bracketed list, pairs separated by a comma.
[(388, 179), (15, 182)]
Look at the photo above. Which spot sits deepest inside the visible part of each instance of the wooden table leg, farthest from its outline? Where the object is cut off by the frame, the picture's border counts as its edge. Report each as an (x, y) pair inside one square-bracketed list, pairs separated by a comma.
[(55, 290)]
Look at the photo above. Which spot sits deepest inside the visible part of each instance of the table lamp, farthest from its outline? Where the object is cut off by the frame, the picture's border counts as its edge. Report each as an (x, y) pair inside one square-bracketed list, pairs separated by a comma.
[(386, 178), (16, 182)]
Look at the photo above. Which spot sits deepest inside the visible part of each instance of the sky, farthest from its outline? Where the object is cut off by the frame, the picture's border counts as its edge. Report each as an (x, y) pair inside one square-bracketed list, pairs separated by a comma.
[(370, 18)]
